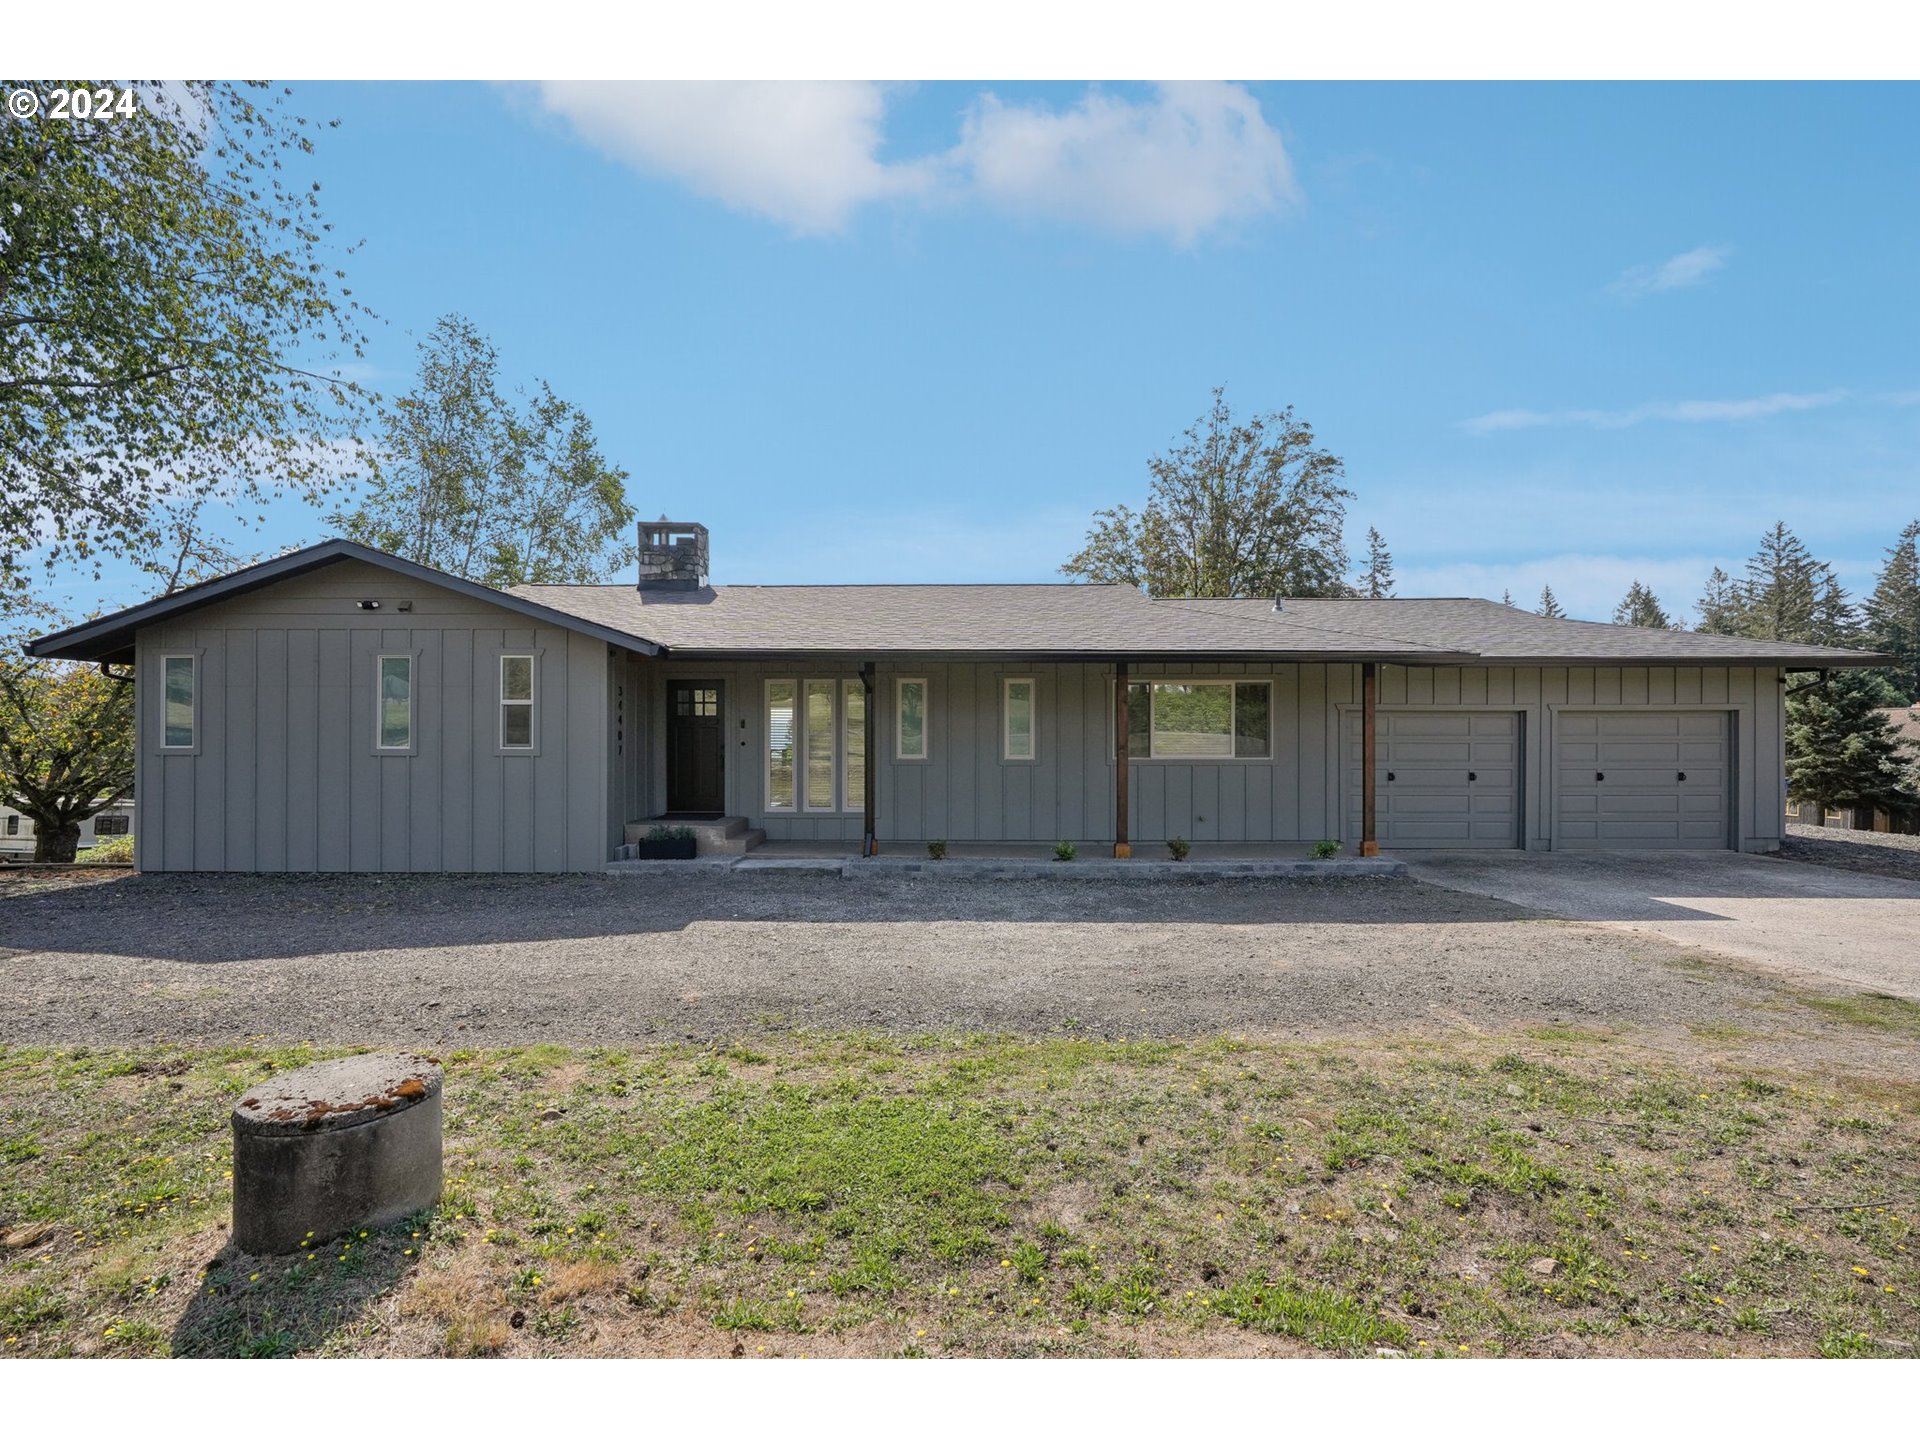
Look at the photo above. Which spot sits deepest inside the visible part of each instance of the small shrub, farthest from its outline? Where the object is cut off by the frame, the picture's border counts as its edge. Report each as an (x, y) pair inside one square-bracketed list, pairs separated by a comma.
[(1064, 850), (116, 851), (1325, 849), (670, 832), (1179, 848), (937, 849)]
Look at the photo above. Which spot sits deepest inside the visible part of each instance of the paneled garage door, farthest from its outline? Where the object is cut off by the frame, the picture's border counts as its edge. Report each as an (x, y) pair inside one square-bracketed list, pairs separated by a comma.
[(1445, 779), (1642, 780)]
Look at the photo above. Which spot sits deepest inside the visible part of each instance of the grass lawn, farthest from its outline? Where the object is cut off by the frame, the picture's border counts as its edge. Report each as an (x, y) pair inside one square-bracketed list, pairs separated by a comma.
[(1561, 1192)]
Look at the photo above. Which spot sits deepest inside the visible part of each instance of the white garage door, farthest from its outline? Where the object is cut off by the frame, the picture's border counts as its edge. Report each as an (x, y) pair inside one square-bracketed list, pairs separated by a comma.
[(1444, 779), (1641, 780)]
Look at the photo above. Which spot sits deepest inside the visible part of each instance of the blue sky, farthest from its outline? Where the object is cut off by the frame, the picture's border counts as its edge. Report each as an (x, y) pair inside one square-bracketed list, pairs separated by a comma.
[(1571, 334)]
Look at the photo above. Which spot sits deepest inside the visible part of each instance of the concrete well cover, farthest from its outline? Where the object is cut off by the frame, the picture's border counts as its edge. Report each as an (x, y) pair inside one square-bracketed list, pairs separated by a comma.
[(337, 1094)]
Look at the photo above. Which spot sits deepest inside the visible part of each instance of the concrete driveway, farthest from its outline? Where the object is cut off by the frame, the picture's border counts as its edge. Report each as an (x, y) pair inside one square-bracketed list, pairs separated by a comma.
[(1803, 921)]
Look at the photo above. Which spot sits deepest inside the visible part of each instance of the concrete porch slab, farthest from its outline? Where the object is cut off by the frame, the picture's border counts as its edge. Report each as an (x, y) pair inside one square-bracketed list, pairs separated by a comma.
[(973, 867)]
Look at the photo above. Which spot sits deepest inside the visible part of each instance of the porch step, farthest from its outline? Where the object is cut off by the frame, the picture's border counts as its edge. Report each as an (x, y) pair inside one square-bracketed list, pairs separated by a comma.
[(729, 835)]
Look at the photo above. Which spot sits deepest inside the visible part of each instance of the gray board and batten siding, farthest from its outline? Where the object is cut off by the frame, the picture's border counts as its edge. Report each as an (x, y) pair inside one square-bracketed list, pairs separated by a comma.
[(285, 773)]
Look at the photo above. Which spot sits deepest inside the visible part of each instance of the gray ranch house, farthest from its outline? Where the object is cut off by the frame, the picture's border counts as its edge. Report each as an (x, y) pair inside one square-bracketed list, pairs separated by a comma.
[(341, 709)]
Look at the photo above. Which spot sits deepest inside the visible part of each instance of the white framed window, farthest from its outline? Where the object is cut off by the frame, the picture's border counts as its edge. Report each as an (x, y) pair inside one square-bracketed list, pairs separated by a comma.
[(393, 703), (910, 719), (821, 733), (853, 745), (180, 702), (783, 738), (517, 719), (111, 825), (1200, 720), (13, 826), (1017, 710)]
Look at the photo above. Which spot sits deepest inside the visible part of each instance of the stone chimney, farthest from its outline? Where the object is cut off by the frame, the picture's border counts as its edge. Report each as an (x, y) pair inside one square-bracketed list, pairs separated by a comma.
[(673, 556)]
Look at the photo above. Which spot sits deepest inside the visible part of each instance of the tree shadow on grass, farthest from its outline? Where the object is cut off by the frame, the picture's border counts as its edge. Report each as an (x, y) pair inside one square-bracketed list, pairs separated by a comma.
[(270, 1306)]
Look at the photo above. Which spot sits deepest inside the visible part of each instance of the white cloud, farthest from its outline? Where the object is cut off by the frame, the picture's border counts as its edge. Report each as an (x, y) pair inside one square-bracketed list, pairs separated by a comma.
[(1186, 159), (804, 154), (1682, 271), (1195, 156), (1684, 411)]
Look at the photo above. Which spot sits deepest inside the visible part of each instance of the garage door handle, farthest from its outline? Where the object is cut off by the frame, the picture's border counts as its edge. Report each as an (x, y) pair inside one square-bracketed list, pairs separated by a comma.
[(1598, 775), (1389, 774), (1683, 774), (1472, 776)]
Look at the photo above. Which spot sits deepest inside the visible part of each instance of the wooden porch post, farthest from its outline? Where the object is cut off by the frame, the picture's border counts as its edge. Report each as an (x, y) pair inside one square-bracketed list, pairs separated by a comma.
[(1369, 690), (1121, 849), (869, 764)]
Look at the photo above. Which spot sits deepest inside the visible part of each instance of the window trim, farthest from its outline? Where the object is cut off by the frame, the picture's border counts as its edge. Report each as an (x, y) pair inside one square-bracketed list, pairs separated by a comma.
[(900, 682), (532, 702), (1231, 682), (192, 657), (1007, 757), (412, 658), (766, 746)]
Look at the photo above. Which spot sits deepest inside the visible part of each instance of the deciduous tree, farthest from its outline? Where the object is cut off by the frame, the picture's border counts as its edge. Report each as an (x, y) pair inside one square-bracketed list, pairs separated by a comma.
[(1234, 508), (471, 482), (66, 744), (173, 319)]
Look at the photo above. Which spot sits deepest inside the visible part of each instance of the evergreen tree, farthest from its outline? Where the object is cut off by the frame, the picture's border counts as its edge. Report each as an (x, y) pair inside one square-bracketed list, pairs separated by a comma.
[(1835, 622), (1642, 607), (1722, 608), (1549, 606), (1506, 599), (1782, 594), (1842, 751), (1893, 614), (1377, 581)]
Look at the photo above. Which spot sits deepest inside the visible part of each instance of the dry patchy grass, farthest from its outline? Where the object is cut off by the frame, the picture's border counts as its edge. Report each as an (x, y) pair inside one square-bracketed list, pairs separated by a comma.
[(1557, 1192)]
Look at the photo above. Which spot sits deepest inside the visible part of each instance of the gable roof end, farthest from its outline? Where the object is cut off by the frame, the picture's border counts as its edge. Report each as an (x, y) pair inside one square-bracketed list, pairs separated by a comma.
[(110, 638)]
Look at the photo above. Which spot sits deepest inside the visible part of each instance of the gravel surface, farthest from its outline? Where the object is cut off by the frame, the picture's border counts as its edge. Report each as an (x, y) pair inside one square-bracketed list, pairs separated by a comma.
[(1867, 851), (443, 961)]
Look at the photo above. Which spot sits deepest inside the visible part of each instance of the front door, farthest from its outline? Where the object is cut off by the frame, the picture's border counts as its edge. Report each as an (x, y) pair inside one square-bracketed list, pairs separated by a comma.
[(696, 748)]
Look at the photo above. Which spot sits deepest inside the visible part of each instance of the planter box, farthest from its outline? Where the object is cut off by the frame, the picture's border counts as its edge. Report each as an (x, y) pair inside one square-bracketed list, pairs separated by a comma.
[(681, 849)]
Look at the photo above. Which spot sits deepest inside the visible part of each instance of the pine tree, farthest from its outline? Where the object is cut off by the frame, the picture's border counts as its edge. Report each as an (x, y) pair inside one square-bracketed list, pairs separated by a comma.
[(1506, 599), (1549, 606), (1834, 622), (1376, 582), (1722, 608), (1783, 589), (1842, 751), (1893, 613), (1642, 607)]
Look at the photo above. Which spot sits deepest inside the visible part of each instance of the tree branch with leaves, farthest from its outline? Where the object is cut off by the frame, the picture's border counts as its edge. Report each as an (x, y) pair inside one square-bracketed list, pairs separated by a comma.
[(1234, 508)]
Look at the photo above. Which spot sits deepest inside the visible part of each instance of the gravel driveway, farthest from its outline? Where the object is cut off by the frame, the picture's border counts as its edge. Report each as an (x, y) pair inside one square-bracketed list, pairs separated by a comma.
[(443, 961)]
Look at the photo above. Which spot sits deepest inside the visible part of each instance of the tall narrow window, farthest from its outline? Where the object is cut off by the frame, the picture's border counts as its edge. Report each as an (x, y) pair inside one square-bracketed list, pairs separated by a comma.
[(516, 702), (180, 673), (820, 744), (854, 745), (1017, 729), (782, 731), (396, 702), (910, 719)]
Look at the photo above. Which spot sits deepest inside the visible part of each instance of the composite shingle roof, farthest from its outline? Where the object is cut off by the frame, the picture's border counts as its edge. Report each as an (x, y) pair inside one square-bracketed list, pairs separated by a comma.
[(954, 620), (1504, 635)]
